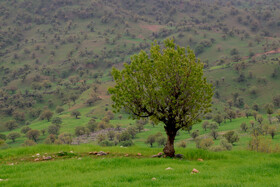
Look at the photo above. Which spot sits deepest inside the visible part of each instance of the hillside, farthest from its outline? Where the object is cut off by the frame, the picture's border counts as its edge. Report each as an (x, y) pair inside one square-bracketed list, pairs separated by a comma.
[(56, 58)]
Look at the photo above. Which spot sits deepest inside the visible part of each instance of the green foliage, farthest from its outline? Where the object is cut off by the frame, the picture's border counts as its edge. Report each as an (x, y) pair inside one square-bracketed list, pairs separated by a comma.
[(10, 125), (53, 129), (33, 135), (76, 114), (25, 129), (231, 137), (80, 130), (56, 121), (167, 86), (151, 140), (47, 114), (13, 136)]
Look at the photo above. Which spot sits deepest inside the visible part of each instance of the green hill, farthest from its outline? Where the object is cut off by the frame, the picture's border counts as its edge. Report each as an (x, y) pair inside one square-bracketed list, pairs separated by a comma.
[(57, 56)]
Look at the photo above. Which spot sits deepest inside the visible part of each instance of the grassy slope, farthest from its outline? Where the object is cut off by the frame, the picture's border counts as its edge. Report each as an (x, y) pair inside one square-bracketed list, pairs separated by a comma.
[(237, 168)]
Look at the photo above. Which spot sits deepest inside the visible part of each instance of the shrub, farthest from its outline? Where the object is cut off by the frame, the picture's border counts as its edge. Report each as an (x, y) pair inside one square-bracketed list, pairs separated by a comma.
[(213, 126), (33, 135), (56, 121), (50, 139), (231, 137), (92, 125), (106, 143), (195, 134), (80, 130), (65, 138), (59, 109), (224, 143), (29, 143), (76, 114), (272, 131), (101, 137), (262, 144), (214, 134), (182, 144), (244, 127), (3, 137), (11, 125), (111, 135), (132, 131), (151, 140), (53, 129), (13, 136), (205, 125), (124, 136), (204, 143), (161, 141), (126, 143), (25, 129)]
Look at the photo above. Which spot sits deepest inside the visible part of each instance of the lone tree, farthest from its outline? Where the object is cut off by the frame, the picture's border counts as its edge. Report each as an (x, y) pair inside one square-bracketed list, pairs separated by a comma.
[(166, 86)]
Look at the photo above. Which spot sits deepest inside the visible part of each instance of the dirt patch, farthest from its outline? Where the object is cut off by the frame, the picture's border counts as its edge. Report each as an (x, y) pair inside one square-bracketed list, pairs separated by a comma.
[(153, 28), (269, 52), (277, 51)]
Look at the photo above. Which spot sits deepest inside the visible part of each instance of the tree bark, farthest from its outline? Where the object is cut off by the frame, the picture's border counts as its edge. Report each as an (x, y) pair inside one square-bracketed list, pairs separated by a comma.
[(169, 147)]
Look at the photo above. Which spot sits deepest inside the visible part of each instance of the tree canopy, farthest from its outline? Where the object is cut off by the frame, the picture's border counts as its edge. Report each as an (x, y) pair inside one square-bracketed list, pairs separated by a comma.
[(166, 85)]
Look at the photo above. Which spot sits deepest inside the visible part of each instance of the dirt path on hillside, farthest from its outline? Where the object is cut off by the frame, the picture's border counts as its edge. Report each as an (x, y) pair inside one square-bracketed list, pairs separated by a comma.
[(268, 52), (277, 51)]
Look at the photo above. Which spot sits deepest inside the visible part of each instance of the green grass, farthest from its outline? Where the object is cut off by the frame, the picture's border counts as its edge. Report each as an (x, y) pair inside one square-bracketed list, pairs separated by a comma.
[(237, 168)]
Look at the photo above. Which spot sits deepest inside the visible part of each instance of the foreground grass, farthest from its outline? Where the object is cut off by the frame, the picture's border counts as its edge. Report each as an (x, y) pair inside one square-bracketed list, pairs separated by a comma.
[(237, 168)]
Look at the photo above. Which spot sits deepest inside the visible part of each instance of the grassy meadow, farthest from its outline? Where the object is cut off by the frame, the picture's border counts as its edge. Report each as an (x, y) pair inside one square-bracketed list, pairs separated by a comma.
[(235, 168)]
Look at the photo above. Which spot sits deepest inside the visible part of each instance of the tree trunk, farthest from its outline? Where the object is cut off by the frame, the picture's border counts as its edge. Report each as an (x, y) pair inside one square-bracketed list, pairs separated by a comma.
[(169, 147)]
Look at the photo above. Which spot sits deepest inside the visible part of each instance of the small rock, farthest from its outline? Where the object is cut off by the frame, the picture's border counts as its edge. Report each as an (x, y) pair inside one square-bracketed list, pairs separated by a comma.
[(126, 155), (139, 154), (154, 156), (71, 152), (101, 153), (11, 164), (47, 158), (80, 158), (200, 160), (169, 168), (194, 171), (38, 154), (36, 159), (153, 179)]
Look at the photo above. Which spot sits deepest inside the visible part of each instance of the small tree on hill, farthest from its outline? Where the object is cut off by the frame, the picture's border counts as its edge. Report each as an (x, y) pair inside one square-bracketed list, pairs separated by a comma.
[(151, 140), (272, 131), (47, 114), (33, 135), (53, 129), (76, 114), (231, 137), (56, 121), (10, 125), (219, 119), (205, 125), (167, 86), (244, 127), (214, 134), (25, 129), (195, 134), (13, 136)]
